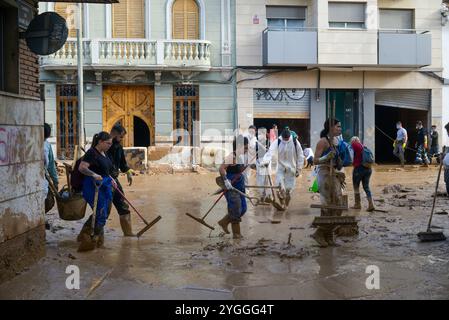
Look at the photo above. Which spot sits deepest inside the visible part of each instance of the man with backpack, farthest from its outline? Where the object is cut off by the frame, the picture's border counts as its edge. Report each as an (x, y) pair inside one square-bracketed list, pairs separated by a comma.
[(362, 173), (117, 156), (290, 162)]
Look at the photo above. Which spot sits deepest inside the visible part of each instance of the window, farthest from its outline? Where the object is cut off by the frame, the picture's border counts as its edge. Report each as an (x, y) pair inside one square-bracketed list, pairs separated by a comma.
[(185, 20), (128, 19), (64, 10), (286, 18), (346, 15), (398, 20), (67, 120), (186, 111), (9, 49)]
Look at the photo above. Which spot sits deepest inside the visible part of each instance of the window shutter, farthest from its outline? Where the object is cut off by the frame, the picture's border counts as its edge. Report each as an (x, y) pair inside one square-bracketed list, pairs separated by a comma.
[(178, 25), (396, 19), (136, 19), (119, 19), (286, 12), (346, 12), (128, 19), (185, 20), (61, 9)]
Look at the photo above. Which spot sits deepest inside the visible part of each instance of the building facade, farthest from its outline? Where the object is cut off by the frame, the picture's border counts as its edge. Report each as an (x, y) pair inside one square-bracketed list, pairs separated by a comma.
[(161, 68), (22, 227), (376, 61)]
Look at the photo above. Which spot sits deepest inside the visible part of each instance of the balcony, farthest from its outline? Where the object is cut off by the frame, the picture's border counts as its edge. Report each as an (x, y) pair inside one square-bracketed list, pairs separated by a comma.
[(405, 48), (141, 53), (289, 47)]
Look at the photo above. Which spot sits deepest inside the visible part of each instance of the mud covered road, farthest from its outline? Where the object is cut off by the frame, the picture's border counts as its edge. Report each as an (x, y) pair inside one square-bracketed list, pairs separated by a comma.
[(181, 259)]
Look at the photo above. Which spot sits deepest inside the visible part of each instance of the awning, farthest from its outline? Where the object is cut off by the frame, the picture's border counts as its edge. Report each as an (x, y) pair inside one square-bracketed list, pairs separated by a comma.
[(83, 1)]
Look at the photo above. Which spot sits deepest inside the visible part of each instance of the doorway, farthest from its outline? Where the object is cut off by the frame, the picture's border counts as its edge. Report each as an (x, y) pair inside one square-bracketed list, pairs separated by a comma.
[(346, 110), (385, 119), (123, 104)]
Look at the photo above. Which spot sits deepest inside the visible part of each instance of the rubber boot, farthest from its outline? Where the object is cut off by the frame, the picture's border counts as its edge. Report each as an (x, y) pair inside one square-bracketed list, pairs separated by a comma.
[(370, 205), (319, 237), (287, 199), (125, 223), (224, 223), (357, 201), (236, 230)]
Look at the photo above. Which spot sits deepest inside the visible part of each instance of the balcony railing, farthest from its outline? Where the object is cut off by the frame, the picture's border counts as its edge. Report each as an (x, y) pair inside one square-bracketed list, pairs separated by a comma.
[(133, 52), (347, 47), (293, 47), (405, 47)]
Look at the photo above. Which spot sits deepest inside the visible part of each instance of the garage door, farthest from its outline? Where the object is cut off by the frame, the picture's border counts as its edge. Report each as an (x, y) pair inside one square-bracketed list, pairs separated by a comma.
[(281, 103), (411, 99)]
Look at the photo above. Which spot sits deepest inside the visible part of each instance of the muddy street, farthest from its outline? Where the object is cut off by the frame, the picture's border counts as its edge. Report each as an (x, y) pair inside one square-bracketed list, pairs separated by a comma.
[(179, 258)]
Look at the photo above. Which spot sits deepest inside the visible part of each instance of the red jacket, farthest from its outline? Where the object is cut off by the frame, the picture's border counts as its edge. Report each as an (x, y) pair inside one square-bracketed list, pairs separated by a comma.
[(358, 154)]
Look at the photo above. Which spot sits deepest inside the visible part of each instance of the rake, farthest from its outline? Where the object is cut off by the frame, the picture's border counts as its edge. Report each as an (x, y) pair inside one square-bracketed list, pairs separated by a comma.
[(429, 235), (148, 224)]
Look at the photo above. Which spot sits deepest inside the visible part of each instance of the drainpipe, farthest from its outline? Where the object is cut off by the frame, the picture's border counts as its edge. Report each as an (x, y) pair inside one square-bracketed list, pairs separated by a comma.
[(362, 105), (81, 132)]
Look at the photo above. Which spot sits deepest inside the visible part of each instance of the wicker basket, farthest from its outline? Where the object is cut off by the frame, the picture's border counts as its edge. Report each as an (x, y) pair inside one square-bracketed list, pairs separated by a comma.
[(72, 208)]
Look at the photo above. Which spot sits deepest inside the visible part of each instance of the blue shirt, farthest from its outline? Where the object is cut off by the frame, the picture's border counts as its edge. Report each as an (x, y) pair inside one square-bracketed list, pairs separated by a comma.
[(402, 133)]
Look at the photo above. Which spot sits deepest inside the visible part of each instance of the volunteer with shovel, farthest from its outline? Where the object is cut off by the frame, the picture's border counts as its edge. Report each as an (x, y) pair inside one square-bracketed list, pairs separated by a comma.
[(117, 156), (97, 190), (290, 162), (231, 173)]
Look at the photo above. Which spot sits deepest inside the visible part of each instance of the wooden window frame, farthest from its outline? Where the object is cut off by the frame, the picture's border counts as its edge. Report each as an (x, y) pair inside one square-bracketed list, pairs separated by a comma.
[(179, 122), (62, 132)]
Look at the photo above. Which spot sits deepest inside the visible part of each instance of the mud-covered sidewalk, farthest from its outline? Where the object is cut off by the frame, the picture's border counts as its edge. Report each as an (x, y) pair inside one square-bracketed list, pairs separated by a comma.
[(181, 259)]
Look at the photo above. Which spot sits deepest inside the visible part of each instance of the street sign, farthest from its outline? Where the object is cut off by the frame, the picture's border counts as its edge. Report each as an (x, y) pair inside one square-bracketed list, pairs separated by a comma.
[(46, 33)]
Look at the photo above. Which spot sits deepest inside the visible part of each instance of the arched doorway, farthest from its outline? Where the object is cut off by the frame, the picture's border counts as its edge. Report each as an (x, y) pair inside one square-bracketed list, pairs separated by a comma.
[(141, 133), (122, 104)]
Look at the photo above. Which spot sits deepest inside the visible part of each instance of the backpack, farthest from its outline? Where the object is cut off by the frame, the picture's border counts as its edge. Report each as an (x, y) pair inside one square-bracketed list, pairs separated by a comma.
[(367, 157), (294, 143), (76, 177), (346, 153)]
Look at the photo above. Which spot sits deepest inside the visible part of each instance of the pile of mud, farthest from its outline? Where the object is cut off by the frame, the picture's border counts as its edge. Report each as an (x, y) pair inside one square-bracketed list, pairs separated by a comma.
[(263, 247)]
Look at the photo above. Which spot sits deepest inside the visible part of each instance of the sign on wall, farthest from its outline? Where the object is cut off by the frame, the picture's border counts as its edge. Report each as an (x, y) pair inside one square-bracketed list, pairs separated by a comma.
[(25, 14)]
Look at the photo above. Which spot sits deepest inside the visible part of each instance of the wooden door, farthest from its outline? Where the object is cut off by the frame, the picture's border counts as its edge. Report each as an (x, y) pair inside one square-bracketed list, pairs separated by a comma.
[(122, 103), (128, 19), (185, 20)]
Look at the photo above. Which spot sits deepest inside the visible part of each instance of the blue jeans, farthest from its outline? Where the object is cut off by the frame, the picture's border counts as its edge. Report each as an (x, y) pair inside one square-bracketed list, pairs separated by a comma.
[(236, 202), (361, 174)]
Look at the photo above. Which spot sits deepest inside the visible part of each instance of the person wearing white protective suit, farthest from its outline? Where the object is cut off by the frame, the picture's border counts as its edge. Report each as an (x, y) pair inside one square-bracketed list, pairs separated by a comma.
[(290, 163), (262, 171), (251, 156)]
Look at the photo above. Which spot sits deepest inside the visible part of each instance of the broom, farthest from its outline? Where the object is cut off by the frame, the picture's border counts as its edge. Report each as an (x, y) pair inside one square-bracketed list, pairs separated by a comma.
[(430, 235)]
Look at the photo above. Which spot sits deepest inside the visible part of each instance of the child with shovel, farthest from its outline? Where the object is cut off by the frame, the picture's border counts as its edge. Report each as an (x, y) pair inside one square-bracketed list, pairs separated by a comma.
[(232, 175), (97, 190)]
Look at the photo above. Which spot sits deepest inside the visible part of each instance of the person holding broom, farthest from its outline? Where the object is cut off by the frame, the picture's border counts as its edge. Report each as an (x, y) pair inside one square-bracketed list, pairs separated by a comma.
[(231, 173), (96, 168), (117, 156)]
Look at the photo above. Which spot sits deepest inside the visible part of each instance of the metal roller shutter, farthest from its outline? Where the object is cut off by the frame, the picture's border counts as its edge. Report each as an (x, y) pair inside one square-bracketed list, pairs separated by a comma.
[(418, 99), (281, 103)]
